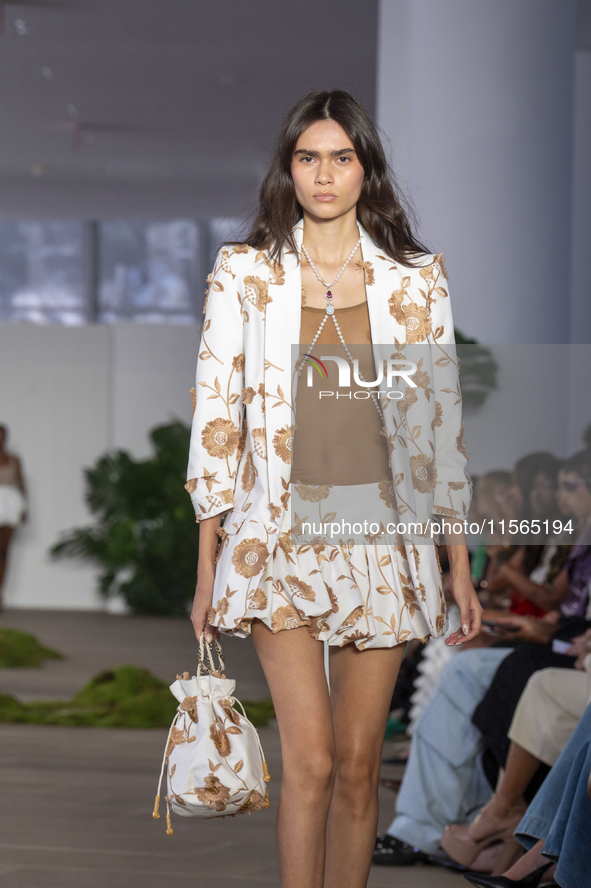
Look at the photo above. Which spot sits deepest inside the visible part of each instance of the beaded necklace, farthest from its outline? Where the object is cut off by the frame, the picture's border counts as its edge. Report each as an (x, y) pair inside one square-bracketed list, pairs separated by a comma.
[(330, 313)]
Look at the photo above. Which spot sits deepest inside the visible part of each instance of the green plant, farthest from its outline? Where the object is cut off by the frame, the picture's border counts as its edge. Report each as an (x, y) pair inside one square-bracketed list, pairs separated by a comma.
[(19, 649), (144, 537), (125, 697)]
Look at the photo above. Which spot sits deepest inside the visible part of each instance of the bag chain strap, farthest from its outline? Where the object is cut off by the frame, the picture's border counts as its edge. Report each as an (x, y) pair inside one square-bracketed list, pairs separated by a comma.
[(203, 668)]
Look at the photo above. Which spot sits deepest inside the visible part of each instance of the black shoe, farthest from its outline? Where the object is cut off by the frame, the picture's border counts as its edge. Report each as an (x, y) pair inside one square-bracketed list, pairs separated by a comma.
[(530, 881), (392, 852)]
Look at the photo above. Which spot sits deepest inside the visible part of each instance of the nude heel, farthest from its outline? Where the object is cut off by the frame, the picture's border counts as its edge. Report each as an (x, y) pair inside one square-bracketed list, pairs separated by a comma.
[(461, 847)]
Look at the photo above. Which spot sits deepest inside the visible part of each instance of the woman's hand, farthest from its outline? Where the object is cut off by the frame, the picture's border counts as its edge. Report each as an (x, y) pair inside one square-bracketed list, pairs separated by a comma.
[(470, 611), (525, 628), (202, 604)]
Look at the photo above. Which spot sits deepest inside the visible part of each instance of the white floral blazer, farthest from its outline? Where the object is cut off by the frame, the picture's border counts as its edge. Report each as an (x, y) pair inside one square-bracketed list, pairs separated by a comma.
[(240, 452)]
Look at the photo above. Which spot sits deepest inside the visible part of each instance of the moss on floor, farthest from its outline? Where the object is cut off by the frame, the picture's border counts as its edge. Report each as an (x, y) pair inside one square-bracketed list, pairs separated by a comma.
[(19, 649), (125, 697)]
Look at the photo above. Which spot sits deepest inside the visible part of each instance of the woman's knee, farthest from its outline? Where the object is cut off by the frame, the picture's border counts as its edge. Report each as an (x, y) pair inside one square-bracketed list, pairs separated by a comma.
[(357, 776), (311, 770)]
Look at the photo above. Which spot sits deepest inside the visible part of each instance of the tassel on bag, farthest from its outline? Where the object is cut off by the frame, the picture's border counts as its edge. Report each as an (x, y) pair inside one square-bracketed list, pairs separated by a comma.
[(213, 758)]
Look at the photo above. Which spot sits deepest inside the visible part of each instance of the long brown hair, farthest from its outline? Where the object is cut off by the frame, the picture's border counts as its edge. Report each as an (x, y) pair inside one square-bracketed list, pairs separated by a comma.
[(381, 208)]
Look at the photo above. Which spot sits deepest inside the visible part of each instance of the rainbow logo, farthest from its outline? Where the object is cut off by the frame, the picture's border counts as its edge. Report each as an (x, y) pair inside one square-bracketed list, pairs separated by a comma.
[(308, 359)]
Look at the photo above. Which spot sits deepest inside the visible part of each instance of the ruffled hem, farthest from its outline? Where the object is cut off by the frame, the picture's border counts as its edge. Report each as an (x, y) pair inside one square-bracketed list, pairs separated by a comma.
[(365, 594), (12, 505)]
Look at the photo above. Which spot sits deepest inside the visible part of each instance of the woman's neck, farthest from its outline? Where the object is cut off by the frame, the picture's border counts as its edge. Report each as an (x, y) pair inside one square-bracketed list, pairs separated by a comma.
[(329, 241)]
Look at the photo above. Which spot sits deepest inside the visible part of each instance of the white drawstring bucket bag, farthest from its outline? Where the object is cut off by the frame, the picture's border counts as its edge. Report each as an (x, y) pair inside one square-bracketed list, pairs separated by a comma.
[(214, 759)]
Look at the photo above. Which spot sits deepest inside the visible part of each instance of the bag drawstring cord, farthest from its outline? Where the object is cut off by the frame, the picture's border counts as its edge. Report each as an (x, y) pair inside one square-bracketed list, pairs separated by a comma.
[(156, 812), (266, 775)]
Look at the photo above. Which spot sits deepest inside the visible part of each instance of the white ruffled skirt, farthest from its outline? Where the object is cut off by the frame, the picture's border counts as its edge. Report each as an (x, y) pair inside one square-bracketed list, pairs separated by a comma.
[(362, 593), (12, 505)]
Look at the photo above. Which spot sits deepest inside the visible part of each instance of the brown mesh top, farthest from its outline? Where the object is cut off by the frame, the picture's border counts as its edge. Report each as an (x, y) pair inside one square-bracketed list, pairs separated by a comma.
[(337, 441)]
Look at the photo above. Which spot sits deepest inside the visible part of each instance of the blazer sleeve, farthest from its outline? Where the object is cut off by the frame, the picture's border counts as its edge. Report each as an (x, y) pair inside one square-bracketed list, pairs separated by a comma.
[(218, 415), (453, 490)]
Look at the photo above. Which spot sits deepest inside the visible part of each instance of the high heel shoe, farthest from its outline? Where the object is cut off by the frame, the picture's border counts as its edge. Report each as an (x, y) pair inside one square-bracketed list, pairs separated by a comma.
[(530, 881), (459, 844)]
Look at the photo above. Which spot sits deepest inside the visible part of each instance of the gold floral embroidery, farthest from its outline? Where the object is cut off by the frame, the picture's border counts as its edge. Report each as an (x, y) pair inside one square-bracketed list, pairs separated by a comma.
[(248, 394), (410, 398), (438, 416), (257, 292), (298, 587), (259, 442), (424, 473), (193, 394), (387, 493), (189, 705), (238, 363), (285, 617), (213, 794), (229, 711), (282, 442), (220, 437), (220, 739), (461, 442), (254, 802), (368, 272), (258, 600), (249, 557), (248, 473), (417, 322), (312, 493)]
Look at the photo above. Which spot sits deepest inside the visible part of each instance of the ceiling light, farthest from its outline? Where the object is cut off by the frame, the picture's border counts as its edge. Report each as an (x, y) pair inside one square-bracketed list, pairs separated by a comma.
[(20, 27), (46, 72)]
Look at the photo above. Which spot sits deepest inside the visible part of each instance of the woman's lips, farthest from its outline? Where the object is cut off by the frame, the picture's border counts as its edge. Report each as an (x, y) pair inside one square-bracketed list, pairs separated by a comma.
[(325, 196)]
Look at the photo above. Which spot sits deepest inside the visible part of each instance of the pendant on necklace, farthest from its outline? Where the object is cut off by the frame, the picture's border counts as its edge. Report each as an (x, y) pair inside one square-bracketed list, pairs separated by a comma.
[(329, 305)]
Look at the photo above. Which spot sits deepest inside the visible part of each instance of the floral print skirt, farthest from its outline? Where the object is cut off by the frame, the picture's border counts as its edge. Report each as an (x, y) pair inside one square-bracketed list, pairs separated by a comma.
[(365, 594)]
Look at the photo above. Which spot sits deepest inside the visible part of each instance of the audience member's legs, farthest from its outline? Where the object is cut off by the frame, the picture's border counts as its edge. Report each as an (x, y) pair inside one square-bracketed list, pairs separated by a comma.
[(444, 782), (545, 817)]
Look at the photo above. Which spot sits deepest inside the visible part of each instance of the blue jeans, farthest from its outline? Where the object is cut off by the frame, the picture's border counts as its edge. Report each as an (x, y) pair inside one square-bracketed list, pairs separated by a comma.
[(560, 813), (444, 781)]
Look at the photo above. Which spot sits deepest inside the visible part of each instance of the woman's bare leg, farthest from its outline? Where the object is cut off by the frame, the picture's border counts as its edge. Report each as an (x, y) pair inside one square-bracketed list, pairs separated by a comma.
[(362, 684), (6, 532), (529, 863), (293, 664), (520, 769), (508, 801)]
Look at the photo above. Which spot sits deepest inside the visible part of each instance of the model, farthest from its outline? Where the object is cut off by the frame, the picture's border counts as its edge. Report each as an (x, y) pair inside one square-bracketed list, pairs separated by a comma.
[(12, 502), (330, 262)]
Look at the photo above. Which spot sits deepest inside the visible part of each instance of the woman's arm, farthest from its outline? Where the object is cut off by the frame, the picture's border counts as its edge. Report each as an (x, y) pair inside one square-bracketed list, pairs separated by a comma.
[(548, 599), (208, 543), (219, 408), (462, 590), (453, 489)]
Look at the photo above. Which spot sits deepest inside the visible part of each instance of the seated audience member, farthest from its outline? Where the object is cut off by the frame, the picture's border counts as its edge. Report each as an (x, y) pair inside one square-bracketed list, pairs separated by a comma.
[(556, 824), (548, 712), (444, 781)]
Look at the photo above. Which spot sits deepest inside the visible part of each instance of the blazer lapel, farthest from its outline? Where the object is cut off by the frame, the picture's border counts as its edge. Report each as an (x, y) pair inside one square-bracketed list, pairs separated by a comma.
[(382, 277)]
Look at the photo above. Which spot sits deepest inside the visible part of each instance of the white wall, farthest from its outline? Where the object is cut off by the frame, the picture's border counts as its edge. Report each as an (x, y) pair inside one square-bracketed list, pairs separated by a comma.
[(476, 97), (67, 395)]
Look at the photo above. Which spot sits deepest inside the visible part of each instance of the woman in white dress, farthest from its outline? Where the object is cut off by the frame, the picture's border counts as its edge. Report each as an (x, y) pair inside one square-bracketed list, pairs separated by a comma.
[(330, 262), (12, 501)]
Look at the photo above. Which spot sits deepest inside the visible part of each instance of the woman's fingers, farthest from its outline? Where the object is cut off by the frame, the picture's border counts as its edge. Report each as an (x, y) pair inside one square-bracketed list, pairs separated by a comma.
[(211, 632)]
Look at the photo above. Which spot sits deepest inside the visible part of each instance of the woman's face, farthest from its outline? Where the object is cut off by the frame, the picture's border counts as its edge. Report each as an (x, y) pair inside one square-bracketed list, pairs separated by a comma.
[(574, 497), (326, 171), (543, 496)]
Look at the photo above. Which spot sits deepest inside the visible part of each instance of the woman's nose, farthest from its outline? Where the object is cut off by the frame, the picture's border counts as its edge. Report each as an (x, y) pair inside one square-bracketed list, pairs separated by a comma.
[(323, 173)]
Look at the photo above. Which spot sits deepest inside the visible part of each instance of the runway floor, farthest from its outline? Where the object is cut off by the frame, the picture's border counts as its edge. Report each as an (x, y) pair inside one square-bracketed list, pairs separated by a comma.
[(76, 803)]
